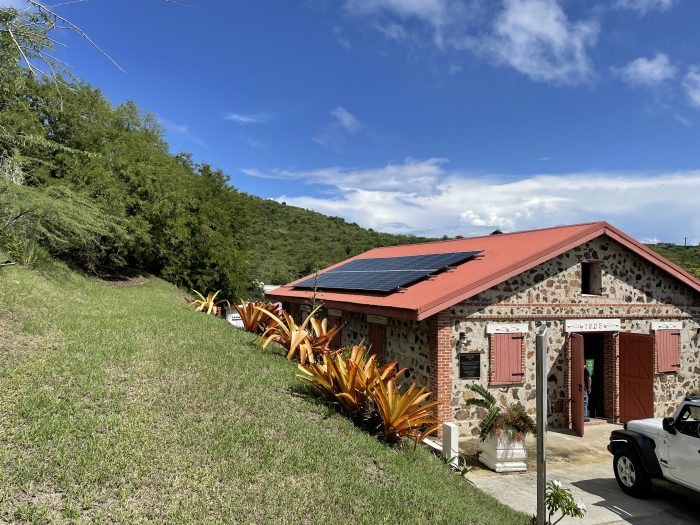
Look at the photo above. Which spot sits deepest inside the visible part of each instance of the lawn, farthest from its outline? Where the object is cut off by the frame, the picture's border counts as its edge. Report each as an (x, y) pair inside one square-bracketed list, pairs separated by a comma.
[(120, 405)]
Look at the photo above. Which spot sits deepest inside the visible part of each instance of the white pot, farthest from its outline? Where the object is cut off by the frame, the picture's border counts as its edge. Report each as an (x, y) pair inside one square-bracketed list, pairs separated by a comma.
[(503, 454)]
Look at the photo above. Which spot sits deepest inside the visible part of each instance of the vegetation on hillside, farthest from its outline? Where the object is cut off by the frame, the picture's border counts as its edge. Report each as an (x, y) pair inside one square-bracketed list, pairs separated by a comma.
[(122, 405), (95, 185), (686, 256)]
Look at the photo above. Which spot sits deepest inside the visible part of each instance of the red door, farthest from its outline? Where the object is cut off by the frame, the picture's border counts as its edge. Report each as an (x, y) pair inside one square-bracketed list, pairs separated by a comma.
[(376, 338), (576, 365), (636, 376)]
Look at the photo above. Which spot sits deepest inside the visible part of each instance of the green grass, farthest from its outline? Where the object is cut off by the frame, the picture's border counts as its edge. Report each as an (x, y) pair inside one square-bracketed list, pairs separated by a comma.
[(120, 405)]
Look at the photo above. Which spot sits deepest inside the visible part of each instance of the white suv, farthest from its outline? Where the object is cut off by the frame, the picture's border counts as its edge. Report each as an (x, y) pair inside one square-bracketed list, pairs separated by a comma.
[(667, 448)]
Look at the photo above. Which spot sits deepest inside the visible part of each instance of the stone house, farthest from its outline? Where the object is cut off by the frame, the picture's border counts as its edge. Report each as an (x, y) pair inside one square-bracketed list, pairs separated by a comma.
[(610, 303)]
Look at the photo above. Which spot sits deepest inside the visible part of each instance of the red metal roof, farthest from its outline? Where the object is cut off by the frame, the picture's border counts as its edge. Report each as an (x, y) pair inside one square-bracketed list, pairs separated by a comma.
[(503, 256)]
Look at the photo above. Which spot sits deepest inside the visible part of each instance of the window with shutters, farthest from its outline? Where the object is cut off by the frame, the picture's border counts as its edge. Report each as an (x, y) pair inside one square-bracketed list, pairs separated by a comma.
[(668, 351), (507, 359)]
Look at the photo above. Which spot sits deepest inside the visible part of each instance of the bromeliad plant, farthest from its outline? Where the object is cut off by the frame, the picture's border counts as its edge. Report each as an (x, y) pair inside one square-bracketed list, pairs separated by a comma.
[(405, 413), (370, 394), (501, 417), (293, 337), (253, 318), (349, 381), (208, 304)]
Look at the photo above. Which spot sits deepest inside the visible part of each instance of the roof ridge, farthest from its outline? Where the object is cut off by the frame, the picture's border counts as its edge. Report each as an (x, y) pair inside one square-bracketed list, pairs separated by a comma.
[(532, 230)]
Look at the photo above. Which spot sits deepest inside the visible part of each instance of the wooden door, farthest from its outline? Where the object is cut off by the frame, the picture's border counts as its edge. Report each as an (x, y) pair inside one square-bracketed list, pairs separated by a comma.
[(636, 376), (576, 365)]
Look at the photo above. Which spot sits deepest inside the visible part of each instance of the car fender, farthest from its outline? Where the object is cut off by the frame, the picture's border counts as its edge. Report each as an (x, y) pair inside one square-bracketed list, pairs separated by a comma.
[(644, 447)]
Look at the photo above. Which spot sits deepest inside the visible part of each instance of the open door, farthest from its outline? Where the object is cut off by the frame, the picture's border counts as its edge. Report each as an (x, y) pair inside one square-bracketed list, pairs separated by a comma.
[(636, 376), (576, 365)]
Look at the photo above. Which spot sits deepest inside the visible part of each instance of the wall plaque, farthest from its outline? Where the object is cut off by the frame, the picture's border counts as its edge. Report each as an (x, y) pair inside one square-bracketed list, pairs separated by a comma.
[(592, 325), (507, 328), (667, 325), (469, 365), (377, 319), (334, 313)]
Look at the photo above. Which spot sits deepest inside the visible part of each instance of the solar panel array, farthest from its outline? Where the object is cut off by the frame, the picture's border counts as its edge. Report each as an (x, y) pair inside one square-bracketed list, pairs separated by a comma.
[(385, 274)]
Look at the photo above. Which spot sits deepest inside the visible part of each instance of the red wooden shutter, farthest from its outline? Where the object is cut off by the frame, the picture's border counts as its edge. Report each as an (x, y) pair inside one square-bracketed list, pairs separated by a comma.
[(336, 341), (507, 359), (668, 351), (376, 338)]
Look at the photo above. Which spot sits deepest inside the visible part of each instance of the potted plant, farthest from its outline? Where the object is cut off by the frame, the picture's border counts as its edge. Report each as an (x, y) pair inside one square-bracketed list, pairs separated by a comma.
[(502, 432)]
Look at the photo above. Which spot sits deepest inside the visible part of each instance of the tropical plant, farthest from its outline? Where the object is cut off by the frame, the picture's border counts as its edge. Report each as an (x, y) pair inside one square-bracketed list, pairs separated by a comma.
[(288, 334), (321, 337), (349, 380), (508, 417), (253, 318), (207, 304), (559, 499), (404, 414)]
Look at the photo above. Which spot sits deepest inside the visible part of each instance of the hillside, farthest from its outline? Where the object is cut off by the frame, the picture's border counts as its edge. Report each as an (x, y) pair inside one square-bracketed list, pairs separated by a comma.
[(686, 256), (121, 405), (290, 242)]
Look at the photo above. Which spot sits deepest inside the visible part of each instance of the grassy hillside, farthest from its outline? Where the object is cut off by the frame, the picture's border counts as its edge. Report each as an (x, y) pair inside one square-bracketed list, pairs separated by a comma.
[(289, 242), (687, 257), (120, 405)]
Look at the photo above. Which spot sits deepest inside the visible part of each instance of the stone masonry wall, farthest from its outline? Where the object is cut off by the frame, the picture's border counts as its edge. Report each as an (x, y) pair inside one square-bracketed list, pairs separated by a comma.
[(632, 290)]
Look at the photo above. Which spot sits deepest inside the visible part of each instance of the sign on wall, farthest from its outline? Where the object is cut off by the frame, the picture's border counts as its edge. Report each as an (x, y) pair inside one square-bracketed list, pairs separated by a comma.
[(469, 365), (592, 325), (506, 328), (667, 325), (335, 313), (377, 319)]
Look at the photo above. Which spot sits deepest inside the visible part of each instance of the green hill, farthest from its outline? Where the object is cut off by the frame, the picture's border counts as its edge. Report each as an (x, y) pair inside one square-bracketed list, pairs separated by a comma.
[(686, 256), (121, 405)]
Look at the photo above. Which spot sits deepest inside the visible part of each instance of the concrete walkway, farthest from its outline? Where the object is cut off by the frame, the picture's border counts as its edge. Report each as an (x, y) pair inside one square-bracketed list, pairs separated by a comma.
[(585, 466)]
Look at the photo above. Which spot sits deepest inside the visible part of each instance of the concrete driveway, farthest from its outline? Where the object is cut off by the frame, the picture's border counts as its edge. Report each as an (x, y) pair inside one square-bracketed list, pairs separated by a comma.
[(584, 466)]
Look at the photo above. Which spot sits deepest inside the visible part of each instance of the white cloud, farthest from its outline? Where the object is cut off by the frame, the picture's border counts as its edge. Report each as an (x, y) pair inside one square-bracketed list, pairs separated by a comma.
[(648, 71), (645, 6), (255, 118), (335, 134), (341, 38), (424, 197), (180, 129), (691, 85), (536, 38)]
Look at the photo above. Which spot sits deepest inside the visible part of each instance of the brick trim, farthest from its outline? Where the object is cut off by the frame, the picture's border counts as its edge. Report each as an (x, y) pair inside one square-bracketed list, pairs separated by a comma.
[(440, 360)]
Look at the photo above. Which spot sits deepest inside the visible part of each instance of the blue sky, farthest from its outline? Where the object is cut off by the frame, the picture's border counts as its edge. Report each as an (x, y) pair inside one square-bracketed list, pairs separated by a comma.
[(425, 116)]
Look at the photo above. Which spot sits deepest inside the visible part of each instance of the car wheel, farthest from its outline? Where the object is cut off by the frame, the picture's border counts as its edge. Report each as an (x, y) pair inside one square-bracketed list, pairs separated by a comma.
[(630, 473)]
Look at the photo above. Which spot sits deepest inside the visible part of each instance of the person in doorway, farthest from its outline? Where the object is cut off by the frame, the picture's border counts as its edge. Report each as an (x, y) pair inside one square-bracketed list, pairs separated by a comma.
[(586, 392)]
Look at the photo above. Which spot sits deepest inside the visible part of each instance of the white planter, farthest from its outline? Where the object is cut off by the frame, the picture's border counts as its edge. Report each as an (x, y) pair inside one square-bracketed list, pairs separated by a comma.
[(503, 454)]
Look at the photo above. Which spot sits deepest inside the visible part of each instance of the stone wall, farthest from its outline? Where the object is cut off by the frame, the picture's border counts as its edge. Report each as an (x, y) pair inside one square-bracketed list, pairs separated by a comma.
[(632, 290)]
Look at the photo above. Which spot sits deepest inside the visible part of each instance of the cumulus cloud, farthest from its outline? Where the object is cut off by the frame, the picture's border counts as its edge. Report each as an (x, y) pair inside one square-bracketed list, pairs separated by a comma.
[(424, 197), (180, 129), (648, 71), (691, 85), (644, 6), (536, 38)]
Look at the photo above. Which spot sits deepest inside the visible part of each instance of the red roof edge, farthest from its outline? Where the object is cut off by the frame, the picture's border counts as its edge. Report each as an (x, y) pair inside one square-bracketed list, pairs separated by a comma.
[(398, 313), (596, 230)]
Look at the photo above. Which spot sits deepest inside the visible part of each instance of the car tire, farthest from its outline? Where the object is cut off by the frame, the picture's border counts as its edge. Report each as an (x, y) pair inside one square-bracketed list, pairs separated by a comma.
[(630, 474)]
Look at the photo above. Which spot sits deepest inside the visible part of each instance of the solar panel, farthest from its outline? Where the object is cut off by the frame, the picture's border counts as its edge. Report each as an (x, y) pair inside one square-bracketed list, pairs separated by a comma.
[(385, 274)]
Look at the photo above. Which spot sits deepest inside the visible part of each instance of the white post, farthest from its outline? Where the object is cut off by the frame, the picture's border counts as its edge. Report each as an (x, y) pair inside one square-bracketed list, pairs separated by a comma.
[(450, 446)]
